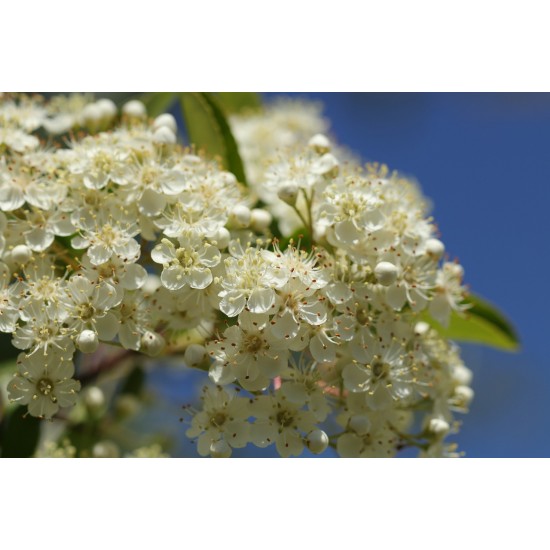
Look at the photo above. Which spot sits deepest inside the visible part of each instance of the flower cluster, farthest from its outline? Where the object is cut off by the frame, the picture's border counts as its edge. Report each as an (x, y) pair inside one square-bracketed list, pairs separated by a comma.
[(118, 235)]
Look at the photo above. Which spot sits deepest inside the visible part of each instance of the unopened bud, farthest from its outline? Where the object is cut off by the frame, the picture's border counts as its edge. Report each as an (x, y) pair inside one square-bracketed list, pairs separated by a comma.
[(221, 238), (386, 273), (438, 426), (166, 120), (435, 248), (240, 216), (152, 343), (164, 136), (21, 254), (93, 397), (463, 396), (320, 144), (261, 219), (134, 109), (220, 449), (106, 449), (108, 109), (317, 441), (87, 341), (421, 328)]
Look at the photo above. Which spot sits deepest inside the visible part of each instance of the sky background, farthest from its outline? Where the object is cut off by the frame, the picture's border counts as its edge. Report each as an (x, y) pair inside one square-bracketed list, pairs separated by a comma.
[(484, 160)]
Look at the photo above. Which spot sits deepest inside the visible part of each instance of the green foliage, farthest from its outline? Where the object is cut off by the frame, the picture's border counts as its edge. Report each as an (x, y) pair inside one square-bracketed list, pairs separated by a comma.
[(482, 323), (158, 102), (208, 129), (19, 434), (238, 102)]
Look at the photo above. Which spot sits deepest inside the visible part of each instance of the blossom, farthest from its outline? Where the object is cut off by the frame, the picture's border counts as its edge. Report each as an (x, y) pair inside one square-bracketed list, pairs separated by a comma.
[(189, 264), (44, 383), (224, 417)]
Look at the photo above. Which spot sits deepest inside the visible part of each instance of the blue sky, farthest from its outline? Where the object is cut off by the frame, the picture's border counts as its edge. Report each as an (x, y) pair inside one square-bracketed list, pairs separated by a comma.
[(484, 160)]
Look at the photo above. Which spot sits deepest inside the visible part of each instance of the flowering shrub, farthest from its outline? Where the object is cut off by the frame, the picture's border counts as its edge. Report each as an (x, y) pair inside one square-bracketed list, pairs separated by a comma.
[(314, 292)]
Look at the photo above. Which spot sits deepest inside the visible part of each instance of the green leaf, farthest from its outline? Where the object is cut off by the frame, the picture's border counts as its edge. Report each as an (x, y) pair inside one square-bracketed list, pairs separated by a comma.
[(158, 102), (135, 381), (209, 130), (8, 351), (238, 102), (20, 434), (482, 323)]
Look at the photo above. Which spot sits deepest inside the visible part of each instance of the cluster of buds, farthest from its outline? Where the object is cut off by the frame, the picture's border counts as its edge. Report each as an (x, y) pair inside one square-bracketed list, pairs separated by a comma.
[(116, 234)]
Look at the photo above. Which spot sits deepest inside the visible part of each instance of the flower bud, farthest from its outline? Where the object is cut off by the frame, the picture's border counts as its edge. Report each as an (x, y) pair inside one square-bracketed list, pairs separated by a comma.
[(21, 254), (462, 375), (320, 144), (91, 114), (134, 109), (221, 238), (386, 273), (87, 341), (105, 449), (194, 355), (288, 193), (166, 120), (261, 219), (108, 109), (93, 398), (317, 441), (438, 426), (164, 136), (152, 343), (220, 449), (360, 423), (421, 328), (240, 216), (463, 396), (435, 248)]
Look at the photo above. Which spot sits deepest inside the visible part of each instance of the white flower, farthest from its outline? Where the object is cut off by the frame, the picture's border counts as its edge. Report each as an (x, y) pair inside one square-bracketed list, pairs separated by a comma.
[(281, 422), (41, 332), (189, 264), (448, 293), (87, 307), (223, 417), (44, 383), (106, 234), (250, 279), (249, 353)]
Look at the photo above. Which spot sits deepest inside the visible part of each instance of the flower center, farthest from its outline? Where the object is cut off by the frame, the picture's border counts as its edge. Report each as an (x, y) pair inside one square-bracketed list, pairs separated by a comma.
[(44, 386), (86, 311), (380, 369), (253, 343), (187, 258), (218, 419), (285, 418)]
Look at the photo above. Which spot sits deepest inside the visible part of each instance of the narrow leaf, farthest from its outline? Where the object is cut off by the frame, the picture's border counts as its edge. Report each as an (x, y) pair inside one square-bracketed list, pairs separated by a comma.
[(238, 102), (158, 102), (209, 130), (482, 324)]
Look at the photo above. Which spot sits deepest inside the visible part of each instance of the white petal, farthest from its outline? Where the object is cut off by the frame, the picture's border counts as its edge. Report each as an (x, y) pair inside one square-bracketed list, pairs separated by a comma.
[(172, 278), (99, 254), (107, 327), (164, 252), (261, 300), (199, 278)]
